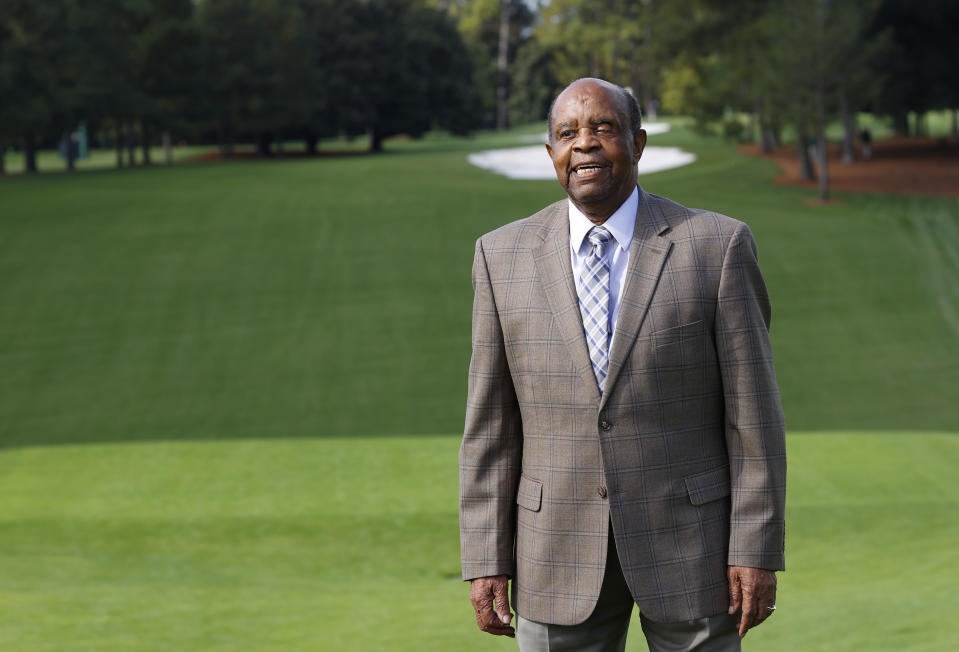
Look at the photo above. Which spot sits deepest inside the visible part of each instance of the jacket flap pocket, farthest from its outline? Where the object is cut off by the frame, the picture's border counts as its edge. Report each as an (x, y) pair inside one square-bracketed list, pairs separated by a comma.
[(530, 493), (708, 486)]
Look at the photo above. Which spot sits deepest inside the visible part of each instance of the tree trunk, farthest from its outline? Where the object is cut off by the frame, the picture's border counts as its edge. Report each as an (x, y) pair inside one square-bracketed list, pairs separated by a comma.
[(900, 124), (821, 102), (145, 145), (167, 147), (262, 146), (767, 139), (118, 144), (848, 129), (279, 148), (131, 144), (806, 170), (68, 151), (647, 90), (634, 75), (226, 143), (311, 142), (29, 154), (376, 140), (502, 59), (823, 163)]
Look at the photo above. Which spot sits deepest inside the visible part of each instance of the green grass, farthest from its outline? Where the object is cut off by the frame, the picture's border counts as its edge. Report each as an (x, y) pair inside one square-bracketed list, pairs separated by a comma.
[(346, 544), (305, 298), (230, 395), (98, 159)]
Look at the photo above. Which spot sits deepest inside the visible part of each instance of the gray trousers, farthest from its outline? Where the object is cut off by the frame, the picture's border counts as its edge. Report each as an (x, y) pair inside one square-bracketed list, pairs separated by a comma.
[(605, 630)]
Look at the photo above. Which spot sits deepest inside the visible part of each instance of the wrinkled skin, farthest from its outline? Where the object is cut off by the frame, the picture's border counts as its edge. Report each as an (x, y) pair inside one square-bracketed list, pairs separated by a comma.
[(590, 127), (753, 590), (490, 598)]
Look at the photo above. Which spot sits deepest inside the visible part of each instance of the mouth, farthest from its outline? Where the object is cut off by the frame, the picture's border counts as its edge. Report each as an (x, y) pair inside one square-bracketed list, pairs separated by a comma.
[(586, 170)]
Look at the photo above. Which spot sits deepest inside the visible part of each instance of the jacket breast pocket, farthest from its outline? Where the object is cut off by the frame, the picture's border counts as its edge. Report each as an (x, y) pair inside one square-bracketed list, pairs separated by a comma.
[(530, 494), (708, 486), (677, 334)]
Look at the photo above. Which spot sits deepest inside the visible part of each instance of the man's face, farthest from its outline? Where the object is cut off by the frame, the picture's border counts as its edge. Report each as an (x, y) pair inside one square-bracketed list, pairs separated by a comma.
[(593, 151)]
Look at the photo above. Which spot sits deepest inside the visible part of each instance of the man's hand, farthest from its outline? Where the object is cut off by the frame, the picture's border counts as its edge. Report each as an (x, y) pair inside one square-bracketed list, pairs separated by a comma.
[(753, 589), (490, 598)]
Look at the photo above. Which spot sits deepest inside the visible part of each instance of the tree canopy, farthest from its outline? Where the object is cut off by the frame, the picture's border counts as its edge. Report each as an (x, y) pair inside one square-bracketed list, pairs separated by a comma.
[(251, 70), (269, 70)]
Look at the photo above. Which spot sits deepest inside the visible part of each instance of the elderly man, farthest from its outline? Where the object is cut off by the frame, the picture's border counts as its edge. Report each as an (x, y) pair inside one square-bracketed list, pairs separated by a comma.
[(624, 438)]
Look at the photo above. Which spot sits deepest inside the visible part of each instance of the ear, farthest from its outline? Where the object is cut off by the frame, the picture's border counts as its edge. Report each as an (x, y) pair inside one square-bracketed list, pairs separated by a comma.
[(639, 144), (549, 150)]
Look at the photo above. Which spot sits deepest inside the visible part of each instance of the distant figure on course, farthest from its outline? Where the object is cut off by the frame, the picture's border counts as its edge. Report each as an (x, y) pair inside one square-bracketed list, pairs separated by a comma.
[(624, 440)]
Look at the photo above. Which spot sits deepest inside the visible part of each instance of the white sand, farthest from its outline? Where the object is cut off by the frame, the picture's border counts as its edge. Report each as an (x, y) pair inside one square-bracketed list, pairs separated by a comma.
[(532, 162)]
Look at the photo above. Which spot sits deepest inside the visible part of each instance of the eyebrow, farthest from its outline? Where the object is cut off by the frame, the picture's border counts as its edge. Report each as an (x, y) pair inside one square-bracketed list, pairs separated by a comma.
[(594, 122)]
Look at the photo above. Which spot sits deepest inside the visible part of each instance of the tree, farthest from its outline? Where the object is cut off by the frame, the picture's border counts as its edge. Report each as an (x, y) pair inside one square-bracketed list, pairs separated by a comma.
[(29, 73), (789, 62), (920, 65), (417, 73), (532, 85), (167, 65), (494, 33), (255, 67)]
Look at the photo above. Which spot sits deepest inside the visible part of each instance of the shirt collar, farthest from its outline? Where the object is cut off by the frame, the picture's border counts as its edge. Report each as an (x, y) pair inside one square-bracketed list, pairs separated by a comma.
[(620, 224)]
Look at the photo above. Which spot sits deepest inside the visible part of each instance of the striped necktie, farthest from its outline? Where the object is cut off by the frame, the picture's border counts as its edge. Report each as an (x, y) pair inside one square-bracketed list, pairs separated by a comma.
[(594, 302)]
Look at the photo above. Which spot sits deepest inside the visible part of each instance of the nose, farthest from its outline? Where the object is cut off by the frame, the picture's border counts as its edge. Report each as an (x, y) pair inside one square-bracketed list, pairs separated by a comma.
[(585, 140)]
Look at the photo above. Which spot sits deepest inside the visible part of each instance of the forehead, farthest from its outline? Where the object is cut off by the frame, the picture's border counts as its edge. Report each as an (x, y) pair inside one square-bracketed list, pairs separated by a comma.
[(588, 100)]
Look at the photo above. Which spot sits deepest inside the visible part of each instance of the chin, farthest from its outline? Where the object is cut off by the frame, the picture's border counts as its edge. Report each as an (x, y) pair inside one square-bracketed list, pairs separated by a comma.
[(594, 197)]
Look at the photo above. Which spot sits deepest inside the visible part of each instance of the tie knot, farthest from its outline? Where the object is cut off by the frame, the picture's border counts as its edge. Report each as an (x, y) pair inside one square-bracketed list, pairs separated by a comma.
[(598, 236)]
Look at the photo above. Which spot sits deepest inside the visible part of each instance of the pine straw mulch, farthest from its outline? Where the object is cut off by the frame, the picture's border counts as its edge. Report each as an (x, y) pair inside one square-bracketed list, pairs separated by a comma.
[(915, 166)]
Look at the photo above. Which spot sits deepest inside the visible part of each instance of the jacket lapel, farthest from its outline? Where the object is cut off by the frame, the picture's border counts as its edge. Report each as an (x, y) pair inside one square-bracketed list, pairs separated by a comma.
[(556, 274), (647, 255)]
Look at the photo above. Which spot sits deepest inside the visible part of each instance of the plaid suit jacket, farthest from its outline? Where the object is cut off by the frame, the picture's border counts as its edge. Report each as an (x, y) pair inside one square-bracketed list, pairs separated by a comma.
[(685, 451)]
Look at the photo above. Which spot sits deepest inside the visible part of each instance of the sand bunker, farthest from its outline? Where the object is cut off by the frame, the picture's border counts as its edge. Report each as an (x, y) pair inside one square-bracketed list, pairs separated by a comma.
[(532, 162)]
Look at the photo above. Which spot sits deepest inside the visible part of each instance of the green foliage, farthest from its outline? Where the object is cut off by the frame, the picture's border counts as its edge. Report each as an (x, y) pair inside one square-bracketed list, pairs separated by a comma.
[(920, 66), (253, 55), (532, 86), (419, 72), (478, 21), (236, 69), (167, 55), (690, 87)]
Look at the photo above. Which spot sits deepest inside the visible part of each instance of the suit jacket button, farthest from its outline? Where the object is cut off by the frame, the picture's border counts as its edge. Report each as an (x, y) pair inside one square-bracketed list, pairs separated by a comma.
[(605, 425), (601, 491)]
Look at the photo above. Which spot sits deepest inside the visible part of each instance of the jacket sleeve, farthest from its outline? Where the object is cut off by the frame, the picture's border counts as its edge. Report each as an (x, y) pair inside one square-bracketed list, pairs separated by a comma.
[(755, 426), (491, 452)]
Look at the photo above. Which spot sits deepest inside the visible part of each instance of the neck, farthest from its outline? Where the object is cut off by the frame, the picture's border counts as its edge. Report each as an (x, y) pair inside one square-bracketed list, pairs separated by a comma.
[(600, 212)]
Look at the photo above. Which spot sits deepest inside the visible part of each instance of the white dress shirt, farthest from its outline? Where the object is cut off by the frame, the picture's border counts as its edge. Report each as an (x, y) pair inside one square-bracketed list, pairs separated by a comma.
[(620, 225)]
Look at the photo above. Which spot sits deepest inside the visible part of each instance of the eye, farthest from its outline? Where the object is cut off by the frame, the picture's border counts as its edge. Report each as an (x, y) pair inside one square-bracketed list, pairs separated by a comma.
[(566, 133)]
